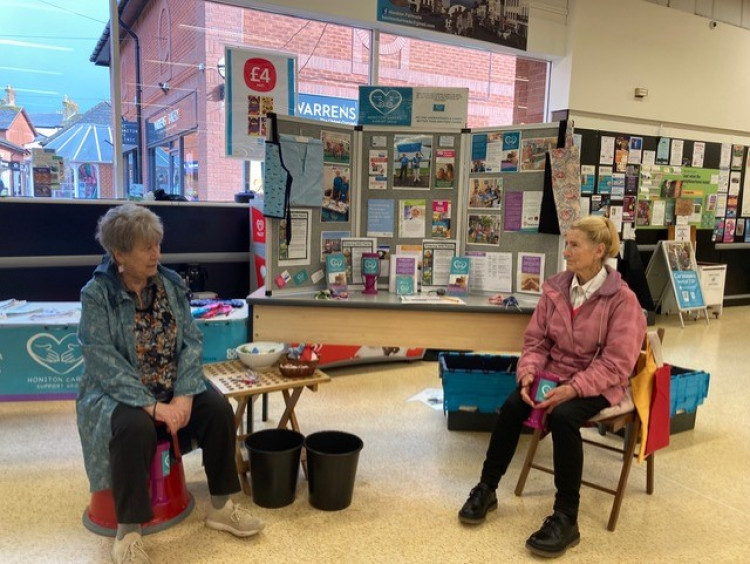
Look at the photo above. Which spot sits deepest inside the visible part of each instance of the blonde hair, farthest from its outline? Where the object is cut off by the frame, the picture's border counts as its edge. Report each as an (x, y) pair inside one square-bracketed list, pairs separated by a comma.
[(599, 229), (123, 226)]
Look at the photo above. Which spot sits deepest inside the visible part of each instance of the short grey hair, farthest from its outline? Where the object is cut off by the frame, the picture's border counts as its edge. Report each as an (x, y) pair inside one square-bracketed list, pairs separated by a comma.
[(123, 226)]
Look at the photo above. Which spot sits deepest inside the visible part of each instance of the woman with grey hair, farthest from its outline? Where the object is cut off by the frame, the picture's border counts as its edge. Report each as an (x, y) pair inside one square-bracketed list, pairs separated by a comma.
[(142, 357)]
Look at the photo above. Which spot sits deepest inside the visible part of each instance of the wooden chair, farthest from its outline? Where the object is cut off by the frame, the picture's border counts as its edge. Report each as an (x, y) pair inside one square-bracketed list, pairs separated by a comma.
[(614, 420)]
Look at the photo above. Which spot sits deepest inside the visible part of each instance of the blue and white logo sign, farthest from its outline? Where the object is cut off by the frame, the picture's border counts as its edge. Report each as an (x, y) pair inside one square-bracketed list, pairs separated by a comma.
[(385, 106)]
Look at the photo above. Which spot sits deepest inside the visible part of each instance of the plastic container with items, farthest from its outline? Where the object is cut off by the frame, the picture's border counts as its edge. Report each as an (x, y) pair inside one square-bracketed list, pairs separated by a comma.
[(688, 388), (474, 386), (223, 333), (260, 354)]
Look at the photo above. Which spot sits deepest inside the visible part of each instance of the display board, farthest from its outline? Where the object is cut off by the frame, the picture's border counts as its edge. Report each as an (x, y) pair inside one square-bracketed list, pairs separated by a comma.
[(410, 192), (315, 231), (647, 182), (502, 196), (435, 194)]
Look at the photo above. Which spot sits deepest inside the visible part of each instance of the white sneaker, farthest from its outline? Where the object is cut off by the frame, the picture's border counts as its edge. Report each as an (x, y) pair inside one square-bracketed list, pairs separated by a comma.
[(129, 549), (234, 519)]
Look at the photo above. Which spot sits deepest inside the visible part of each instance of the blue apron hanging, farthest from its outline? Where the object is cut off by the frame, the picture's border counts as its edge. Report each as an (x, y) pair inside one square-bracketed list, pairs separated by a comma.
[(303, 158), (277, 183)]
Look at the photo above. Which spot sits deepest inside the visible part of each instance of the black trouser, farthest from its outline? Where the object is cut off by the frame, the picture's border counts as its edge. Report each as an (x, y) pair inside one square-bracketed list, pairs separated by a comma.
[(564, 422), (133, 446)]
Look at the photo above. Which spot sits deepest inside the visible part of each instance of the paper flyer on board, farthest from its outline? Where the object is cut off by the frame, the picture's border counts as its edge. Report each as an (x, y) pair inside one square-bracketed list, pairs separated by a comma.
[(445, 168), (490, 272), (352, 249), (530, 273), (298, 251), (588, 179), (403, 280), (532, 206), (411, 218), (436, 261), (441, 219), (380, 217), (458, 280), (336, 272)]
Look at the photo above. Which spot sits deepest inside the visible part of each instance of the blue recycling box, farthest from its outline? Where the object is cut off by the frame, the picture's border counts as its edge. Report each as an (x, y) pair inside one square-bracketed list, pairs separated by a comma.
[(477, 383)]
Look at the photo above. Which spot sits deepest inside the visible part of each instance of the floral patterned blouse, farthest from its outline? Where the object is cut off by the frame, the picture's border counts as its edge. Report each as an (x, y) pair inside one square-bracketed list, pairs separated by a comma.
[(156, 341)]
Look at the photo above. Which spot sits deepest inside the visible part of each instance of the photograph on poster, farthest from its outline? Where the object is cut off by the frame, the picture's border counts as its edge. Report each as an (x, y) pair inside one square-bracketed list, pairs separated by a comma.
[(679, 254), (485, 192), (483, 230), (336, 147), (533, 152), (336, 194), (330, 242), (412, 155), (494, 21)]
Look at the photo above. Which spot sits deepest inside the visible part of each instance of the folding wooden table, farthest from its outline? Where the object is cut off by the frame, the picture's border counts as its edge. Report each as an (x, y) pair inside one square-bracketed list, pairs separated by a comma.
[(235, 380)]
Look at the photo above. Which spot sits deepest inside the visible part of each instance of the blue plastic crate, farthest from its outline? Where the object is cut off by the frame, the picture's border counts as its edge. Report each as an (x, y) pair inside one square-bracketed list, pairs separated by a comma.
[(476, 382), (687, 389)]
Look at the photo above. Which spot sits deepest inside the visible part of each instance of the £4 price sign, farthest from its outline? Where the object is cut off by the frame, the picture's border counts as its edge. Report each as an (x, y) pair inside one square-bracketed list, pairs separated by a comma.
[(260, 74)]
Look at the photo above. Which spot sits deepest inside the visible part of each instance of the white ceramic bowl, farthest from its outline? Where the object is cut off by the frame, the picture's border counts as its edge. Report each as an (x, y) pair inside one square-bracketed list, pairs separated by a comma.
[(260, 354)]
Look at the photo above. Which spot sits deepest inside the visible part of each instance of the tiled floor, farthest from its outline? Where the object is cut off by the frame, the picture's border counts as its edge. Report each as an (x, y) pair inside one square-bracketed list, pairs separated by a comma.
[(413, 476)]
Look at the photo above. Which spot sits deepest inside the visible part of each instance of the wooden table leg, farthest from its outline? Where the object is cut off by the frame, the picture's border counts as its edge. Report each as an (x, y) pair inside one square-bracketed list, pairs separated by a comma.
[(289, 417), (290, 400), (241, 465)]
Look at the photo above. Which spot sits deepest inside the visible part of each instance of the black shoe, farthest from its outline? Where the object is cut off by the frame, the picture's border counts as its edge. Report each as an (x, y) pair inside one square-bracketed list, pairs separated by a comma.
[(558, 533), (481, 500)]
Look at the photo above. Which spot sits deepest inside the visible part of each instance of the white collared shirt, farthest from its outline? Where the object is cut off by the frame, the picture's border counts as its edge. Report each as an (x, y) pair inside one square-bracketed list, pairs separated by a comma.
[(580, 293)]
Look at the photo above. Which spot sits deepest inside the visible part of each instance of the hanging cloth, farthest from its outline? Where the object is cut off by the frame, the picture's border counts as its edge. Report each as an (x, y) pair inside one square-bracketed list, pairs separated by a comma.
[(303, 159), (565, 168), (548, 222), (277, 182)]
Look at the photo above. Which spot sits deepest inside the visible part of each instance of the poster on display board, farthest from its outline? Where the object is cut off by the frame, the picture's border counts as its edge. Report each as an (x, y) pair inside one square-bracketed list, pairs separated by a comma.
[(413, 107), (257, 83), (495, 21), (677, 191)]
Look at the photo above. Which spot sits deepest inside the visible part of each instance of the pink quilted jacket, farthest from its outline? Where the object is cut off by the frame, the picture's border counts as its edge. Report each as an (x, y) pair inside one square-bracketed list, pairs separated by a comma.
[(596, 350)]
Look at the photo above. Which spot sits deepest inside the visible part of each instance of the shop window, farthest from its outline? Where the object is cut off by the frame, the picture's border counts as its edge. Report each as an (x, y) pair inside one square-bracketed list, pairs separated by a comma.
[(87, 181), (503, 89)]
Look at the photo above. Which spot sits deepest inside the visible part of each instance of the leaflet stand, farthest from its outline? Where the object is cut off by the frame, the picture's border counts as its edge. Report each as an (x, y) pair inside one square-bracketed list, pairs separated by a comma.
[(672, 274)]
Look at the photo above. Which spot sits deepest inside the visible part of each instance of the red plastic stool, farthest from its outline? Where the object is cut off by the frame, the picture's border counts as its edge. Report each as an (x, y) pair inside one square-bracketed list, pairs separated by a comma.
[(171, 501)]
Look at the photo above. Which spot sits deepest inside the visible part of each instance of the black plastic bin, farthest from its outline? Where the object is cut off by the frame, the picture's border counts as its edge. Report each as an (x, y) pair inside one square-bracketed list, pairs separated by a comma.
[(332, 458), (274, 465)]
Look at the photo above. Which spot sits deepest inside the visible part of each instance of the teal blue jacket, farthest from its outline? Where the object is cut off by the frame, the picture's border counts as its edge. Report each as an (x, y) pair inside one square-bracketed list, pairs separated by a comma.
[(107, 336)]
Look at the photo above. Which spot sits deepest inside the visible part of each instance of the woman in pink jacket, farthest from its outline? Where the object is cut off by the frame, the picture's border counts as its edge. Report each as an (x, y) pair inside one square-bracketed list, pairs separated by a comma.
[(587, 330)]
